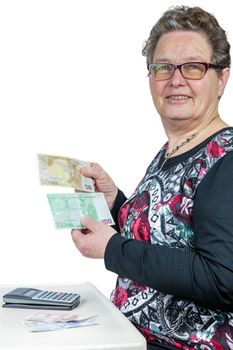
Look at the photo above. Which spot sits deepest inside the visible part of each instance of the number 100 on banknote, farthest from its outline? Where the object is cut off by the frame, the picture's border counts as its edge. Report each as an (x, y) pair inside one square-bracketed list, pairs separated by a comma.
[(68, 208)]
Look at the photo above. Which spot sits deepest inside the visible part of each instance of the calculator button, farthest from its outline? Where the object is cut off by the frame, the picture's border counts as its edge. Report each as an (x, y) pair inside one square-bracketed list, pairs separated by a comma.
[(59, 296), (65, 296), (49, 295), (38, 295), (41, 296), (52, 295), (45, 296), (55, 295)]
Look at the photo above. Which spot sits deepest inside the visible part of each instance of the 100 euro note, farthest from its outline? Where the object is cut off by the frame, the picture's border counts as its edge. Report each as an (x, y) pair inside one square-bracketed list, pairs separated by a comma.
[(67, 208), (63, 171)]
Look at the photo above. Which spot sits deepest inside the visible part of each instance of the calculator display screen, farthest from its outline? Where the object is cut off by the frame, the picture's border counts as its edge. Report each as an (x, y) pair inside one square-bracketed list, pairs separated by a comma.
[(30, 293)]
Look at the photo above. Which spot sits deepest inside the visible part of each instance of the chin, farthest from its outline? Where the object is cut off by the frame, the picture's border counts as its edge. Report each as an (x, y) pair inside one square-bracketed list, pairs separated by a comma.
[(176, 116), (177, 113)]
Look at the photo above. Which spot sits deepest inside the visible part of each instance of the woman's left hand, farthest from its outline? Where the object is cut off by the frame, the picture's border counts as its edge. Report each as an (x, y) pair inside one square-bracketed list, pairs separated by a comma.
[(92, 241)]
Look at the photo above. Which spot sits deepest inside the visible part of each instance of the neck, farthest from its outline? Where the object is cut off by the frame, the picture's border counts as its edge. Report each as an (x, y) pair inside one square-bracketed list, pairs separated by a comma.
[(177, 128), (180, 142)]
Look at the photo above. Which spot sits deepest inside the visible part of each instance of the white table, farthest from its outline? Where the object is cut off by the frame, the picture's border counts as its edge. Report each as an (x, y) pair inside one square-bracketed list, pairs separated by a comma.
[(113, 331)]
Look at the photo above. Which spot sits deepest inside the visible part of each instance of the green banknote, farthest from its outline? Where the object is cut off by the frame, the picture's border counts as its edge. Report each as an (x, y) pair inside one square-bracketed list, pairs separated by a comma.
[(67, 208), (63, 171)]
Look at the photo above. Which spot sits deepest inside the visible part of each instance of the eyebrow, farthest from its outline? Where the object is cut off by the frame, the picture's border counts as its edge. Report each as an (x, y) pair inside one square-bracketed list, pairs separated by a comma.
[(187, 59)]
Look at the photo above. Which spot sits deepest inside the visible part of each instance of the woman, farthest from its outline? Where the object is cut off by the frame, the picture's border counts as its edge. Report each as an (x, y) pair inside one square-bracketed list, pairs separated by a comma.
[(175, 252)]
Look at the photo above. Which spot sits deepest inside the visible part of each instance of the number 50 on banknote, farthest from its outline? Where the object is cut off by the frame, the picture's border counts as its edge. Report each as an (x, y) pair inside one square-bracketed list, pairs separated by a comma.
[(64, 171)]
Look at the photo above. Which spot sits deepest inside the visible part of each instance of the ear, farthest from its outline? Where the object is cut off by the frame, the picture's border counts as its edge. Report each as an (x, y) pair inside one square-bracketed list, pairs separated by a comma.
[(223, 81)]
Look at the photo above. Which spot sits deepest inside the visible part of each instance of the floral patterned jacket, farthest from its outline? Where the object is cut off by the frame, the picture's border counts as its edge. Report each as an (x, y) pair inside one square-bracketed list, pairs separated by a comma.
[(174, 256)]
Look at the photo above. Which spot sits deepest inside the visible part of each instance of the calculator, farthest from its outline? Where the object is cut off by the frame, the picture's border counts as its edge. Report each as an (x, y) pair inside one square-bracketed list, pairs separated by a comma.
[(31, 298)]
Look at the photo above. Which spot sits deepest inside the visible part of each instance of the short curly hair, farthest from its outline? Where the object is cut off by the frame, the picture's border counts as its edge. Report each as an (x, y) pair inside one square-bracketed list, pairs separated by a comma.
[(191, 19)]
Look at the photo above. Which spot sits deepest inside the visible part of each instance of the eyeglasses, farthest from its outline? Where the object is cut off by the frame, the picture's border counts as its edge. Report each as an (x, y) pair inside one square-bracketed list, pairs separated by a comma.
[(189, 70)]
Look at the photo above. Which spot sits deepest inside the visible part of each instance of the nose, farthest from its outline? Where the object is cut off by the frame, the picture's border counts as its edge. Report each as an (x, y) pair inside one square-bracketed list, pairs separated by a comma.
[(177, 79)]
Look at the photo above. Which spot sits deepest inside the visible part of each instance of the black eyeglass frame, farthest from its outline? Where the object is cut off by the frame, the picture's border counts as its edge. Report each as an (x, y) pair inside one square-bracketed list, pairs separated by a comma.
[(179, 66)]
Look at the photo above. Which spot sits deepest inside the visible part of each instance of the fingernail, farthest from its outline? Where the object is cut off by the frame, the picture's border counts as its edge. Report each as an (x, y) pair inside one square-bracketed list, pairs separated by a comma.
[(82, 219)]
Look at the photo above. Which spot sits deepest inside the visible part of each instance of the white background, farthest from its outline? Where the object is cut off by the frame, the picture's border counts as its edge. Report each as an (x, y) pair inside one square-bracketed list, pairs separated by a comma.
[(73, 82)]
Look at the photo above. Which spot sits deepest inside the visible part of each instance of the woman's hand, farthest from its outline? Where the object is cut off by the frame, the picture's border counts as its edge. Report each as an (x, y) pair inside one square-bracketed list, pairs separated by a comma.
[(92, 241), (103, 182)]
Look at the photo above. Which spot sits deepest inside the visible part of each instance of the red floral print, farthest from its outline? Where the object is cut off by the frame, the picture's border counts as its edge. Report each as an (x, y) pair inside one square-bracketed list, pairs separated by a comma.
[(123, 213), (140, 227), (120, 297), (214, 150)]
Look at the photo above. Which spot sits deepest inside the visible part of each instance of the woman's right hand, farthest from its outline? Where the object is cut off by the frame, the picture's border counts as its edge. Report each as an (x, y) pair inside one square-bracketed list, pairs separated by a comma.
[(103, 182)]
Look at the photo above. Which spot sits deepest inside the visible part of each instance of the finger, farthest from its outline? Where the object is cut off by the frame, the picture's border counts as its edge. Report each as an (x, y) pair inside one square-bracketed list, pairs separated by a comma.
[(79, 240), (89, 223)]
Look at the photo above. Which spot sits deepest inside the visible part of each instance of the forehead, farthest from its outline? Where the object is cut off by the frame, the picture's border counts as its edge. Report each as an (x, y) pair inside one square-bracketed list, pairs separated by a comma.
[(181, 46)]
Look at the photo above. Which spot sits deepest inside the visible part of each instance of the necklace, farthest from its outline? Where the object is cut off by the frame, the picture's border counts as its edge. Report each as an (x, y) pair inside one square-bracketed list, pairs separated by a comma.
[(184, 142)]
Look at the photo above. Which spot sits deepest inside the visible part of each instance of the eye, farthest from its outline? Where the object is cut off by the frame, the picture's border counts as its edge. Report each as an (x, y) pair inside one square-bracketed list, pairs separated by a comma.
[(161, 71), (160, 68), (194, 67), (163, 67)]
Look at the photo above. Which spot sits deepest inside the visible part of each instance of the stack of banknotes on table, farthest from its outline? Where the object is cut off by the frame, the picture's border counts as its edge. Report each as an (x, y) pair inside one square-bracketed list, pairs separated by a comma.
[(43, 322), (67, 208)]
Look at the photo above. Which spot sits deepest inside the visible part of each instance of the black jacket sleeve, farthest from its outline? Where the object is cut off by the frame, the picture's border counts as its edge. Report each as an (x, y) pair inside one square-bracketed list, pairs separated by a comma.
[(120, 199), (204, 275)]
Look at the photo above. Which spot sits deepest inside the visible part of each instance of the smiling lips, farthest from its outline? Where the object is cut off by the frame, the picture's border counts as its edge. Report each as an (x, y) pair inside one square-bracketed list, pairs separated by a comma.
[(177, 97)]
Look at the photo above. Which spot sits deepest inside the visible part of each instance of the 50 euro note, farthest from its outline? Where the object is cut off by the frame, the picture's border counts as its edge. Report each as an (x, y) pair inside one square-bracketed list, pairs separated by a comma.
[(39, 326), (67, 208), (63, 171), (44, 322), (59, 317)]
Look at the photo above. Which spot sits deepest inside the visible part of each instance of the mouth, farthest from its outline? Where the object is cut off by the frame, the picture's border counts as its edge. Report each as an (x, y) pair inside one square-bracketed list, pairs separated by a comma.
[(177, 98)]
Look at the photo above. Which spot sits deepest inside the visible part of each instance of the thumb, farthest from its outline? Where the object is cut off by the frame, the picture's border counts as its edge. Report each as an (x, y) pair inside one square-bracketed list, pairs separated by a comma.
[(88, 222), (84, 170), (95, 171), (76, 235)]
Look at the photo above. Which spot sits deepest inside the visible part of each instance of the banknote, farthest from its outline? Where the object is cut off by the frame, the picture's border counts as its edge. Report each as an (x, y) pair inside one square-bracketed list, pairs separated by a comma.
[(59, 317), (67, 208), (63, 171), (44, 322), (38, 326)]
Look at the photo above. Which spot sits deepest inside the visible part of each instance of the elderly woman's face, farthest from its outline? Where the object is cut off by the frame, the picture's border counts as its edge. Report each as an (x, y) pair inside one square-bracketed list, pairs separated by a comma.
[(179, 98)]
